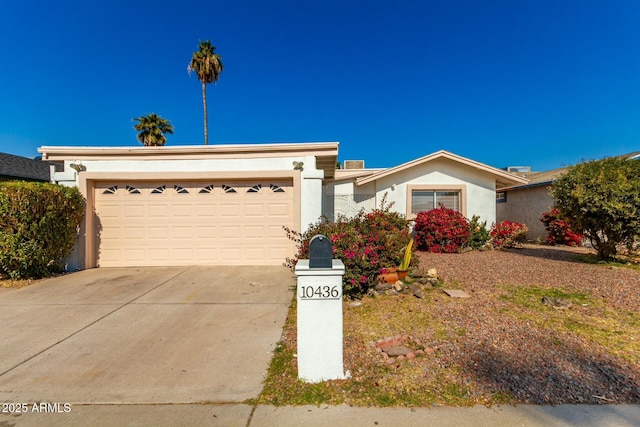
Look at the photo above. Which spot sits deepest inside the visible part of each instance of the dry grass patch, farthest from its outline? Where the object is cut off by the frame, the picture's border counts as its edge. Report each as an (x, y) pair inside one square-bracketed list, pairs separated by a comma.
[(502, 345), (15, 284)]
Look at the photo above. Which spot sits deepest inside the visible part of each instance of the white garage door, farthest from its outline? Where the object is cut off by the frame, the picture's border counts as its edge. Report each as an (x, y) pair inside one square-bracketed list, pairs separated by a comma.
[(193, 223)]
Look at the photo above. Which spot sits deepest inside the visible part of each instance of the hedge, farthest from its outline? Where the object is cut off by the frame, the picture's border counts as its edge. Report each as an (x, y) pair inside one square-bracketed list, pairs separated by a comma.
[(38, 227)]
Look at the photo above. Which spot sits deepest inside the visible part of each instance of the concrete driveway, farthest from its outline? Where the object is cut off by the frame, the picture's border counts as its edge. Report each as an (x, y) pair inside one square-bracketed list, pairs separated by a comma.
[(172, 335)]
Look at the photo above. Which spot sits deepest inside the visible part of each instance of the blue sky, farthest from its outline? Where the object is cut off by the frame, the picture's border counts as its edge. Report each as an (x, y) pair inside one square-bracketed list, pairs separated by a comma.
[(539, 83)]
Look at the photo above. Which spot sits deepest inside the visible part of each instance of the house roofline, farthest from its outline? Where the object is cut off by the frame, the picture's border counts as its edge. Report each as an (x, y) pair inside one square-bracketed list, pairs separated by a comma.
[(504, 177), (326, 153), (522, 187)]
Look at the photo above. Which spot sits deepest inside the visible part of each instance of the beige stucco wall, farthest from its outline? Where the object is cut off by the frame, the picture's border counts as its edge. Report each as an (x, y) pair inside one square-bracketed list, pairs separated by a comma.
[(526, 206), (479, 186)]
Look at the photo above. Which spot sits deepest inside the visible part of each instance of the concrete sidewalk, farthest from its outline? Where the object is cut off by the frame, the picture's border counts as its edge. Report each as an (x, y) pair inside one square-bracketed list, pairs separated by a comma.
[(230, 415)]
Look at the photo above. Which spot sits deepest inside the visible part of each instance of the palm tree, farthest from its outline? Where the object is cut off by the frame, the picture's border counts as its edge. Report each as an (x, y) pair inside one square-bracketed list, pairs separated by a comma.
[(152, 128), (208, 65)]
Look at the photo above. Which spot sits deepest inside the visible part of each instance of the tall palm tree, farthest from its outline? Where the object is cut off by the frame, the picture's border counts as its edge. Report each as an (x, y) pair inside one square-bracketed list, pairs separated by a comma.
[(151, 129), (208, 65)]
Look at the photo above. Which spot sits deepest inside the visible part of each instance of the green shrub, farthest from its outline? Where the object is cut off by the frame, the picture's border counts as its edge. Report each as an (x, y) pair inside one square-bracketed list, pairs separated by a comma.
[(38, 227), (366, 244), (602, 199), (479, 233)]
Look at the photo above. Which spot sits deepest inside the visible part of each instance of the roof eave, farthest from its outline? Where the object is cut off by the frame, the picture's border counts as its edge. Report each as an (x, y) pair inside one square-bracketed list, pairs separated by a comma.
[(503, 177)]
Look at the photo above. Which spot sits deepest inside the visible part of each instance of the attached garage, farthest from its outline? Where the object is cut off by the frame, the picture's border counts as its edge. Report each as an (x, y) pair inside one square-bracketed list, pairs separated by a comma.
[(204, 205), (185, 223)]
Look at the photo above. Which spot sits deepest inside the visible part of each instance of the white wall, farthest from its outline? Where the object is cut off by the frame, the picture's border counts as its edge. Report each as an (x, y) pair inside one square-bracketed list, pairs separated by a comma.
[(311, 178), (480, 194)]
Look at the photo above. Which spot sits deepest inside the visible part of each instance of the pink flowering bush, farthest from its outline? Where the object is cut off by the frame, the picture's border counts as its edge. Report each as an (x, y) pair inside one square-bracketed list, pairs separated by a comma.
[(441, 230), (508, 234), (366, 244), (560, 232)]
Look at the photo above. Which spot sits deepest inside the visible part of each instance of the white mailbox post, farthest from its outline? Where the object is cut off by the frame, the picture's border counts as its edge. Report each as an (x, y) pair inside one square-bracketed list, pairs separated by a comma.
[(319, 299)]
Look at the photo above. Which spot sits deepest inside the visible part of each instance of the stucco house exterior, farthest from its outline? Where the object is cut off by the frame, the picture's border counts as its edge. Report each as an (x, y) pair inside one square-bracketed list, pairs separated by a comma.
[(526, 203), (422, 184), (227, 204)]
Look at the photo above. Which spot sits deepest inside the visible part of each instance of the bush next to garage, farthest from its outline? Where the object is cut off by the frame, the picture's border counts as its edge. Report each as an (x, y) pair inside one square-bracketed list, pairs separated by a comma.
[(38, 227), (366, 244)]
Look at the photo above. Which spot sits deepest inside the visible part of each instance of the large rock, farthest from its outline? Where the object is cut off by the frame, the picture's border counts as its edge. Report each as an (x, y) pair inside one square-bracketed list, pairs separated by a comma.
[(397, 350), (381, 287), (432, 272), (417, 291)]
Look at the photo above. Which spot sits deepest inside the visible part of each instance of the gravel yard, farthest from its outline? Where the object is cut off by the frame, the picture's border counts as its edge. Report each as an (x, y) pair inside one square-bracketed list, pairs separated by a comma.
[(501, 345), (589, 353)]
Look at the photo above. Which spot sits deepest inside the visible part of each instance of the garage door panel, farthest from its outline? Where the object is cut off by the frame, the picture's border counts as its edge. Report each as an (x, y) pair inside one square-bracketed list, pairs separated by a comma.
[(157, 210), (183, 233), (167, 223), (134, 233), (134, 254), (230, 210), (182, 210), (183, 254), (207, 232), (281, 210), (133, 211), (158, 232), (254, 232)]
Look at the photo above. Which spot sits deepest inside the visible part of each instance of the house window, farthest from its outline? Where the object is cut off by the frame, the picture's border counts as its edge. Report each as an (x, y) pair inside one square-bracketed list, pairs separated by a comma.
[(501, 197), (159, 190), (421, 198), (180, 190), (425, 200)]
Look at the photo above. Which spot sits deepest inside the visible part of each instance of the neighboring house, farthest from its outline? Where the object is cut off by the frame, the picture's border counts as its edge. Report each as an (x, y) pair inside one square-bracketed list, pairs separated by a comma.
[(227, 204), (526, 203), (23, 168), (420, 185)]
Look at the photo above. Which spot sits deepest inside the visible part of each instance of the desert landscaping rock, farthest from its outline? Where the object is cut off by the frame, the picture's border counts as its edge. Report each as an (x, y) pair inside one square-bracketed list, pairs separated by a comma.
[(381, 287), (557, 303), (456, 293), (417, 291), (398, 350)]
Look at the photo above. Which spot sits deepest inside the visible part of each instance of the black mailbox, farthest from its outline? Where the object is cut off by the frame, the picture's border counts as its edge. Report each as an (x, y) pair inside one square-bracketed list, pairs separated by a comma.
[(320, 252)]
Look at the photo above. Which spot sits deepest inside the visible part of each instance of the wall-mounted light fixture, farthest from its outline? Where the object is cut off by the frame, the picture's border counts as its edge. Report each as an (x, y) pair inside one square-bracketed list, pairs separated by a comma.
[(78, 166), (298, 166)]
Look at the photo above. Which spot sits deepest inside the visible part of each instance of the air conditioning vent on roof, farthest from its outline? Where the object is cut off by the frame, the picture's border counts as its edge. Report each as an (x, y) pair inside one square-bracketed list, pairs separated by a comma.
[(354, 164), (516, 169)]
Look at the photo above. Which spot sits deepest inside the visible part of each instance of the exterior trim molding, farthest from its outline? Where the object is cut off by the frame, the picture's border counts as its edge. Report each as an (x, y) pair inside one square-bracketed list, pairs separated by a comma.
[(502, 177)]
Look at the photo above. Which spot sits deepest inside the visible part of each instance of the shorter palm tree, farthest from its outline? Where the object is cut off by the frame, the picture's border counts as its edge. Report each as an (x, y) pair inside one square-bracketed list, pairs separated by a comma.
[(152, 129)]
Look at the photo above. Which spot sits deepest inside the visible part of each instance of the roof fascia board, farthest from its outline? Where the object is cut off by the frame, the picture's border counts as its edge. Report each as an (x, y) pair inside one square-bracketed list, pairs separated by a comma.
[(326, 149), (444, 154)]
